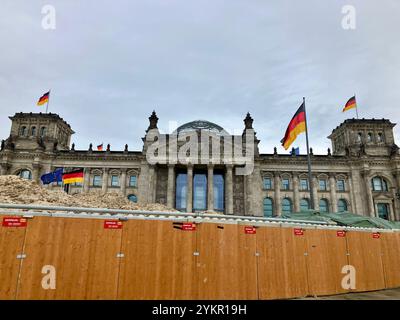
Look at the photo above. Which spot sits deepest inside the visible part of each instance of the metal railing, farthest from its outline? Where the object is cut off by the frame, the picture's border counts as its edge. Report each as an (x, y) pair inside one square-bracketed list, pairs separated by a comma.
[(29, 208)]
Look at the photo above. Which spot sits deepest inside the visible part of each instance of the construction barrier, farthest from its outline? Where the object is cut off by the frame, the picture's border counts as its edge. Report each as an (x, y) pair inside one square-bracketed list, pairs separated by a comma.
[(106, 258)]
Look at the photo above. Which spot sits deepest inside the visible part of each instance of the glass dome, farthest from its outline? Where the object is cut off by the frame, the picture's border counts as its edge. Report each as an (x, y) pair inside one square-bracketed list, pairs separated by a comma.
[(201, 125)]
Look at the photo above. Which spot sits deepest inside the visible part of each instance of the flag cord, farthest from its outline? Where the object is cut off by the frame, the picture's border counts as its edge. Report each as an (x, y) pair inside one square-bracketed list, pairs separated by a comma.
[(310, 181), (356, 106), (48, 100)]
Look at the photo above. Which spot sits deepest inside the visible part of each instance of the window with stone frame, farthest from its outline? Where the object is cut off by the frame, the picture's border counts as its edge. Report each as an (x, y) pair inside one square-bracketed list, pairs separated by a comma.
[(287, 205), (267, 183), (379, 184), (341, 185), (342, 205), (97, 180), (285, 184), (304, 184), (115, 180), (132, 180), (323, 185)]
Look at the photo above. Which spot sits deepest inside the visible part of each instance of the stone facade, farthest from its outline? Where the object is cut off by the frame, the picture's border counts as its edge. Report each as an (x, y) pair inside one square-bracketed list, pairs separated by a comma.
[(360, 175)]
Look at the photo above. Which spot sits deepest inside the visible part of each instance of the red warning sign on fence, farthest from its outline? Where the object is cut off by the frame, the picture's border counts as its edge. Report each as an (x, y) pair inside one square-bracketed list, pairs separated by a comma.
[(376, 235), (14, 222), (249, 230), (112, 224), (341, 233), (298, 232), (189, 226)]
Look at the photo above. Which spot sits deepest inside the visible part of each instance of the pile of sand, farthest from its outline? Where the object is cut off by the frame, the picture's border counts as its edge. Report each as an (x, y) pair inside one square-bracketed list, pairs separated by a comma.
[(13, 189)]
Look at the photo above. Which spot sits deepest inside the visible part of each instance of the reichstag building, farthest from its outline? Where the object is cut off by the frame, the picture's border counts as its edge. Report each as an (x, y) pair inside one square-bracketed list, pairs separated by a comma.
[(360, 173)]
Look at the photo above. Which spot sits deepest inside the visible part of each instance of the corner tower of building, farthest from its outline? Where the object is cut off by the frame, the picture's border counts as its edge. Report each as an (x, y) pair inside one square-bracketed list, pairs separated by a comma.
[(31, 131), (373, 137)]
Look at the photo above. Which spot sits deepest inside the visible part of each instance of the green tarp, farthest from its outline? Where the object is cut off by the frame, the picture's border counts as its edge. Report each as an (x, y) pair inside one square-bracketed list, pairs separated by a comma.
[(343, 219)]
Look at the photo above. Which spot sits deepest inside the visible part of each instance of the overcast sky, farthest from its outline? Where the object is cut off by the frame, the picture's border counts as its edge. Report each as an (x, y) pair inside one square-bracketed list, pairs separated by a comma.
[(110, 63)]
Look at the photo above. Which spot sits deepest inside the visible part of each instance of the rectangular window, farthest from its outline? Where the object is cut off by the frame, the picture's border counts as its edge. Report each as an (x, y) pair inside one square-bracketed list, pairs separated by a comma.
[(132, 181), (340, 185), (322, 185), (267, 183), (303, 184), (114, 181), (97, 180), (285, 184)]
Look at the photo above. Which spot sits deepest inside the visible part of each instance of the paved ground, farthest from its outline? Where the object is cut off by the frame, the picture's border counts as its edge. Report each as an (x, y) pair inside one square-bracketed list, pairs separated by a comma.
[(389, 294)]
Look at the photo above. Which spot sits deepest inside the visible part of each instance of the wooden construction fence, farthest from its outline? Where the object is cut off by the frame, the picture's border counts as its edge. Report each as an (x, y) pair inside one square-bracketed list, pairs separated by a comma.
[(166, 259)]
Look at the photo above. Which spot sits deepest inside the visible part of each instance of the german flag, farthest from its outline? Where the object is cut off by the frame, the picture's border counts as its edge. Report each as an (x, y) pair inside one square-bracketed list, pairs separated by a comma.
[(44, 99), (72, 177), (350, 104), (296, 126)]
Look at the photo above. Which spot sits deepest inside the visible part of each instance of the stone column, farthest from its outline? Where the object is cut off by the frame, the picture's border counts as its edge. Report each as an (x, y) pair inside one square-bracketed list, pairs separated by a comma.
[(332, 190), (35, 173), (277, 200), (370, 201), (189, 193), (352, 200), (152, 184), (104, 186), (210, 187), (397, 197), (4, 169), (296, 193), (229, 190), (394, 207), (171, 186), (123, 182), (315, 194), (86, 180)]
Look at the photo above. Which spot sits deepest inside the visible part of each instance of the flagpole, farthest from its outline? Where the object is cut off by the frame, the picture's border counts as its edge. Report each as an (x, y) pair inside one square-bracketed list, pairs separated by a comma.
[(356, 105), (310, 181), (48, 100)]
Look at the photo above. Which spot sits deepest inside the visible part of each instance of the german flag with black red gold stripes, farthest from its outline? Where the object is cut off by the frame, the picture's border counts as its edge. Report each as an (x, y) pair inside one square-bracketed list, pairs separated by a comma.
[(43, 99), (296, 126), (72, 177), (350, 104)]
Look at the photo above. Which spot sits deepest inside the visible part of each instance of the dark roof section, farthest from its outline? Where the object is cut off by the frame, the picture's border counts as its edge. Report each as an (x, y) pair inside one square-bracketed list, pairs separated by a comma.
[(302, 156), (100, 152), (41, 115), (365, 121)]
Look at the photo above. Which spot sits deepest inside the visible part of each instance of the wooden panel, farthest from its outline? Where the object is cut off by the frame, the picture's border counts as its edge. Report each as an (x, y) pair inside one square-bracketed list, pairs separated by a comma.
[(227, 263), (11, 244), (158, 263), (82, 252), (391, 258), (325, 260), (365, 256), (282, 269)]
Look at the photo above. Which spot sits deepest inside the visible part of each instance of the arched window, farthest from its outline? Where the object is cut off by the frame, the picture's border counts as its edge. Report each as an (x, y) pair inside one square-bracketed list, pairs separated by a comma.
[(286, 205), (268, 207), (23, 131), (304, 205), (42, 131), (342, 205), (379, 184), (380, 137), (132, 198), (33, 131), (25, 174), (359, 137), (323, 205), (369, 137)]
